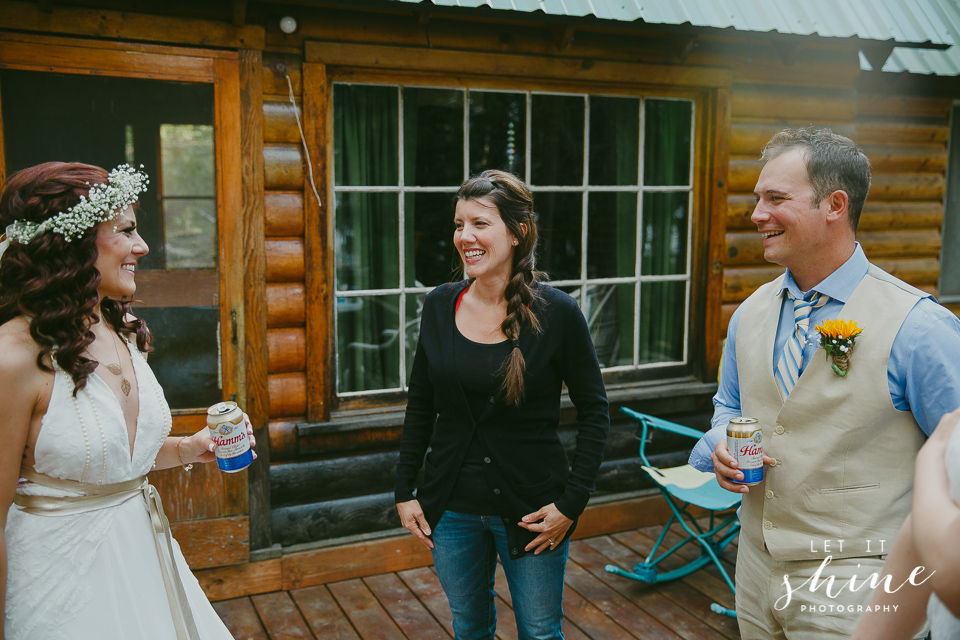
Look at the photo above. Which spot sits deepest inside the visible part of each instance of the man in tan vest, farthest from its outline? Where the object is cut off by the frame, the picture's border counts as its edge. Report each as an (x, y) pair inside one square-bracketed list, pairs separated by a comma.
[(839, 435)]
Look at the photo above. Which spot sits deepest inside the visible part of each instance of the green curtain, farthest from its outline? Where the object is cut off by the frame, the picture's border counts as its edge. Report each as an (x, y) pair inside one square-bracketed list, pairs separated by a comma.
[(665, 218), (366, 154)]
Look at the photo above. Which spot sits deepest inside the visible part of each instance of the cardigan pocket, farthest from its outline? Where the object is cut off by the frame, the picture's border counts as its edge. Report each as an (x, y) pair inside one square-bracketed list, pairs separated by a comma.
[(534, 489)]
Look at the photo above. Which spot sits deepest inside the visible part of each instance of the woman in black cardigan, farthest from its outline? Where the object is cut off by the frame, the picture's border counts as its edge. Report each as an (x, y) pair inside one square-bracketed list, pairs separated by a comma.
[(494, 353)]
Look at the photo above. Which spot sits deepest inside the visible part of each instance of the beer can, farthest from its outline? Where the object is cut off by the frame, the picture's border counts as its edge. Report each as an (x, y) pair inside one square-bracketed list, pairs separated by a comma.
[(229, 431), (745, 442)]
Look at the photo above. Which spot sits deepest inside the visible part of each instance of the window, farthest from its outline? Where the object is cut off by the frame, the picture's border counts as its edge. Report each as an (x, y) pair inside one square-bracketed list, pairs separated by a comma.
[(612, 183), (167, 127)]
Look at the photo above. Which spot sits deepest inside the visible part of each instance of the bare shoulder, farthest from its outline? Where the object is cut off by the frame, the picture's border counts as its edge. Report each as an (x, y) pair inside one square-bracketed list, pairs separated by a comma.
[(18, 348)]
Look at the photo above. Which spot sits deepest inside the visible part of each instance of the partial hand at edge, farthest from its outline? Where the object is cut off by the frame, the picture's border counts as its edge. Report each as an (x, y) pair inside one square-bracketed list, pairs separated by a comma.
[(413, 520)]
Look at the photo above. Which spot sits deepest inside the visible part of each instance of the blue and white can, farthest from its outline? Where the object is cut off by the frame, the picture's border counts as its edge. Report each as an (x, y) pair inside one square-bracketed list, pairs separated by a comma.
[(229, 431), (745, 442)]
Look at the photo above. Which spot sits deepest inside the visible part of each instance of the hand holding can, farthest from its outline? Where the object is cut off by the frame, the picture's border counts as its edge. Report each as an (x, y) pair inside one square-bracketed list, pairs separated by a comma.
[(745, 443), (228, 430)]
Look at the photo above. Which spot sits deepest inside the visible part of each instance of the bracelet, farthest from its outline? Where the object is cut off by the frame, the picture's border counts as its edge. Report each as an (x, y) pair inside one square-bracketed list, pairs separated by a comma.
[(186, 467)]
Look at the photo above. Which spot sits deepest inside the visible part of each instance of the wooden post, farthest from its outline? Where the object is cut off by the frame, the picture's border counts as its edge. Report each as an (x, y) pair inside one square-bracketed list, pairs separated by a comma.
[(717, 188), (256, 401), (318, 254)]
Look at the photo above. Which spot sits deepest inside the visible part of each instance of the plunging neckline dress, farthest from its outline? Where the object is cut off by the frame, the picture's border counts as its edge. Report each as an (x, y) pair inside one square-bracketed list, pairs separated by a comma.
[(97, 574)]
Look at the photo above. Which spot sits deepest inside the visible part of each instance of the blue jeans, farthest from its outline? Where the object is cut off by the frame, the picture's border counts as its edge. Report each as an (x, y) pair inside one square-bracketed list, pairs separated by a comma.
[(465, 555)]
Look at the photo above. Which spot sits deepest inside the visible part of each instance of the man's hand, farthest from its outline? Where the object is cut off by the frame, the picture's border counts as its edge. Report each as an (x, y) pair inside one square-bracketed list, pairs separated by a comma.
[(412, 518), (725, 467)]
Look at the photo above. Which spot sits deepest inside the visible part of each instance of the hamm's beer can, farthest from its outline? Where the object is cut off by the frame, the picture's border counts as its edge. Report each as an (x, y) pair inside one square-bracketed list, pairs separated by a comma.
[(745, 442), (229, 431)]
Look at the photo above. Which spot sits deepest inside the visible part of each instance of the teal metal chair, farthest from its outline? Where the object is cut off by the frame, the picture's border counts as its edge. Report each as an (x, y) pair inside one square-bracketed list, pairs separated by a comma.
[(682, 487)]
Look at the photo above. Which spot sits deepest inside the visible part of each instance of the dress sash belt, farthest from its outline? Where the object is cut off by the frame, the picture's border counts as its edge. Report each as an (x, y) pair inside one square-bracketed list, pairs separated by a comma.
[(96, 496)]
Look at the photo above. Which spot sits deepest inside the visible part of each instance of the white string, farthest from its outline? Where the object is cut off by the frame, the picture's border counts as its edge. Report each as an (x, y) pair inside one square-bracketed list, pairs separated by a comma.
[(303, 139)]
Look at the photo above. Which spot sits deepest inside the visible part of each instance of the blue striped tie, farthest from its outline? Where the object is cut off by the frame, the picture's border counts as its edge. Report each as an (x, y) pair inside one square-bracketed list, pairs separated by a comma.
[(788, 368)]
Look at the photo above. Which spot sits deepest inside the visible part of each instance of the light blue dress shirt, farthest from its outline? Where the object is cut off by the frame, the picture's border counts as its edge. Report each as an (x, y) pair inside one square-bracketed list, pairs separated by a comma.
[(923, 372)]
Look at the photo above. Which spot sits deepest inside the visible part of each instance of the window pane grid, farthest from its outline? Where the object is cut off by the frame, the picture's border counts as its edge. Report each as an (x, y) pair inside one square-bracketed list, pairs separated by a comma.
[(589, 287)]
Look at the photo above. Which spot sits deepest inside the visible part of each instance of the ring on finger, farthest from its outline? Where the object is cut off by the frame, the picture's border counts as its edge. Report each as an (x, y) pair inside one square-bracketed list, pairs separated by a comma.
[(550, 540)]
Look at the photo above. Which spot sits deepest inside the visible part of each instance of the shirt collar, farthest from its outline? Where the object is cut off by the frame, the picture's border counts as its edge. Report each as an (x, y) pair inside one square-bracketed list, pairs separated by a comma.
[(840, 284)]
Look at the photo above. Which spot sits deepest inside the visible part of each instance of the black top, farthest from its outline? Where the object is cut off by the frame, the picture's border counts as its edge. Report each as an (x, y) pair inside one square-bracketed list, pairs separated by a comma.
[(478, 369), (524, 463)]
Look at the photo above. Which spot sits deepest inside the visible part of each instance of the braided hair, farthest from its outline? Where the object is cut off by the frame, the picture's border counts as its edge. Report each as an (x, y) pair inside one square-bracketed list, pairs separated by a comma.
[(514, 202)]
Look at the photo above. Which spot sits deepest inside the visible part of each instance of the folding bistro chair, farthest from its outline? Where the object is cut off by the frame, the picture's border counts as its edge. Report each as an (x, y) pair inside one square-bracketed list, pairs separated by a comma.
[(682, 487)]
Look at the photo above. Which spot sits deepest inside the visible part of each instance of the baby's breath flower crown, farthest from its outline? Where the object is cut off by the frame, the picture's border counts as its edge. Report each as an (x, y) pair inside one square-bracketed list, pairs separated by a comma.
[(104, 202)]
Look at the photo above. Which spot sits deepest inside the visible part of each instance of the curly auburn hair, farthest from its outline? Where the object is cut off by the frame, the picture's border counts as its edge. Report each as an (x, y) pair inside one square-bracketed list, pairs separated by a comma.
[(54, 282), (514, 202)]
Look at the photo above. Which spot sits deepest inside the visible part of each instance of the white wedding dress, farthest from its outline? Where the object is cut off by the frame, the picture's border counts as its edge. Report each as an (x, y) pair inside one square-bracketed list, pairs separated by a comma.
[(96, 575), (943, 624)]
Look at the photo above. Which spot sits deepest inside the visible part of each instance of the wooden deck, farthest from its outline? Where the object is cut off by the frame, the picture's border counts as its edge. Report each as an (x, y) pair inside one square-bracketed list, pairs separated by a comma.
[(410, 604)]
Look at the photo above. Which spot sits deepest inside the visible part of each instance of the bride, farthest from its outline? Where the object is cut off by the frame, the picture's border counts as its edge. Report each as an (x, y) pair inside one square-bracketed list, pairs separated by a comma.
[(85, 550)]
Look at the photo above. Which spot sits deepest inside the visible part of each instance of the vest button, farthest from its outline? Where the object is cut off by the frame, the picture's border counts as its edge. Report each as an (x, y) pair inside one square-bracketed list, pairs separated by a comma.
[(780, 430), (767, 525), (774, 462), (769, 494)]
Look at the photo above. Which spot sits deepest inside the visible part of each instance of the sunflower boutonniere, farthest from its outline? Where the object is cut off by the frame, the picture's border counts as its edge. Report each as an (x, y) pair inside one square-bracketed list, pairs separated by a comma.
[(838, 337)]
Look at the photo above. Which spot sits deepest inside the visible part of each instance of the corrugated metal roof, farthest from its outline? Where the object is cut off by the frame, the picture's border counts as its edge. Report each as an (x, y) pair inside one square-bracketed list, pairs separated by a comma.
[(943, 63), (913, 21)]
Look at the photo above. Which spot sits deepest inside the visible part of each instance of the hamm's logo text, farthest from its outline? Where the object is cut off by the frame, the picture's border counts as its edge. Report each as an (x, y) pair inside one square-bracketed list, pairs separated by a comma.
[(223, 442), (751, 449)]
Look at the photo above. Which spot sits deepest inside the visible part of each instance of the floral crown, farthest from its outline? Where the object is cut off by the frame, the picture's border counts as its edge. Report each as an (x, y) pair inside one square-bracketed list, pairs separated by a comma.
[(103, 202)]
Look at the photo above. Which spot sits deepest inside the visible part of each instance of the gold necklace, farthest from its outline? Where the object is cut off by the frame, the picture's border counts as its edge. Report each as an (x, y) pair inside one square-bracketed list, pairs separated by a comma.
[(117, 370)]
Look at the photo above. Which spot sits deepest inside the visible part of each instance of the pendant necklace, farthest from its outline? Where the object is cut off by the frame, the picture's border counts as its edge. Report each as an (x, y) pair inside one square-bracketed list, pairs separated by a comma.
[(117, 370)]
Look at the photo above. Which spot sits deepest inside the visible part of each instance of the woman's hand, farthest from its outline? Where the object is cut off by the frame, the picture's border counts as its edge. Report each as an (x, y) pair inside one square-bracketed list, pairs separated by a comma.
[(413, 520), (549, 523)]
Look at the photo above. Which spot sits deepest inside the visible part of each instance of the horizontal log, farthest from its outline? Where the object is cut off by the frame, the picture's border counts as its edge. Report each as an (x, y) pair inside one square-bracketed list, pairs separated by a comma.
[(906, 186), (748, 137), (284, 213), (903, 106), (286, 350), (276, 68), (284, 260), (285, 305), (332, 479), (280, 122), (907, 158), (283, 440), (300, 524), (878, 216), (288, 394), (798, 104), (875, 216), (899, 131), (224, 583), (740, 282), (742, 174), (282, 167), (919, 273), (746, 248), (213, 542)]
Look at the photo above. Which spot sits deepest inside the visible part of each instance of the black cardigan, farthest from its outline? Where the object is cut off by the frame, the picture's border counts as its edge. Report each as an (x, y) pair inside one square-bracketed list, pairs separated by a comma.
[(526, 465)]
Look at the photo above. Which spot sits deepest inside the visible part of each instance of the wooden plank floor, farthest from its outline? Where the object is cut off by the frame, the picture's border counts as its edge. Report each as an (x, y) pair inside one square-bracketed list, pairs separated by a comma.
[(409, 605)]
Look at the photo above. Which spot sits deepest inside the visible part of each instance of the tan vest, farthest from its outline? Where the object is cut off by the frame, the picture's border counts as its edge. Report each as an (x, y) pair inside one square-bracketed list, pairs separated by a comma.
[(843, 454)]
